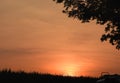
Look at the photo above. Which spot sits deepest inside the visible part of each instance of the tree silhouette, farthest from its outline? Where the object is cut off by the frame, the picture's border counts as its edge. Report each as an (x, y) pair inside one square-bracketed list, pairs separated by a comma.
[(105, 12)]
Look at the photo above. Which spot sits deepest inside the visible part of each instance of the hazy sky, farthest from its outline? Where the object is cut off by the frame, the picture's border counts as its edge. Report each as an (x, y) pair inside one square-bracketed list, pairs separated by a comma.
[(36, 36)]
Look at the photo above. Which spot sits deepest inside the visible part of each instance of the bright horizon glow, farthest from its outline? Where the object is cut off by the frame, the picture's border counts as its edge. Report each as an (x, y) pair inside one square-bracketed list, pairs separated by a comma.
[(70, 70)]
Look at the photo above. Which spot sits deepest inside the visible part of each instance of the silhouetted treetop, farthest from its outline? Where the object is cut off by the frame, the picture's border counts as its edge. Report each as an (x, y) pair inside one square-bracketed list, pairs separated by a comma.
[(105, 12)]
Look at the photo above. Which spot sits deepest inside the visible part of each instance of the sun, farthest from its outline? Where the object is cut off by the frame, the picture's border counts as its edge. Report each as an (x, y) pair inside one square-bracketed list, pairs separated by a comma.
[(68, 65), (70, 70)]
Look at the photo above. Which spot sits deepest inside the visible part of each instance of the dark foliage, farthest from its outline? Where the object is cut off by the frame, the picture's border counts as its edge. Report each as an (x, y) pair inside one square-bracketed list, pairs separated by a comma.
[(8, 76), (105, 12)]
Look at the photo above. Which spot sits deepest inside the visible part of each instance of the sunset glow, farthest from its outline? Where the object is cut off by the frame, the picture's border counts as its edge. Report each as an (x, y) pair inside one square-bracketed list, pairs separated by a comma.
[(70, 70), (36, 36)]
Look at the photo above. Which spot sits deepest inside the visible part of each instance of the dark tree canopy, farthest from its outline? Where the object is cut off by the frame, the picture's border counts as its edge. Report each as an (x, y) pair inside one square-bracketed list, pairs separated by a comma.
[(105, 12)]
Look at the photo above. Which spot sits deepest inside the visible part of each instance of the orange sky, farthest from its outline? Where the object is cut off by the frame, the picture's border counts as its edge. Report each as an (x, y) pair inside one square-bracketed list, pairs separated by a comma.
[(36, 36)]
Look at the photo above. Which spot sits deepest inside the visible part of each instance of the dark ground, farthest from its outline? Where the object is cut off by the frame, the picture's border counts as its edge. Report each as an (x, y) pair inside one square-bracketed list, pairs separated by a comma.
[(8, 76)]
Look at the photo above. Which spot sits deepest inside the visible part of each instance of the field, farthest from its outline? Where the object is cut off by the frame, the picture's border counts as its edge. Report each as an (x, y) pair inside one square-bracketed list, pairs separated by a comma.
[(8, 76)]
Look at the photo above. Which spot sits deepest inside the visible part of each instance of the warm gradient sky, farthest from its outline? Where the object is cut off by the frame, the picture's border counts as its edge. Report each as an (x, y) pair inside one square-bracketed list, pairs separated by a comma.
[(36, 36)]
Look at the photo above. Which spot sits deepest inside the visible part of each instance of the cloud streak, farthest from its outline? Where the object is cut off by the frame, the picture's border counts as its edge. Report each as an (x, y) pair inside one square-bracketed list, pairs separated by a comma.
[(17, 51)]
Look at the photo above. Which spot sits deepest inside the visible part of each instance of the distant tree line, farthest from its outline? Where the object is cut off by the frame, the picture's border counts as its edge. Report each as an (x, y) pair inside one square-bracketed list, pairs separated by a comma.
[(8, 76)]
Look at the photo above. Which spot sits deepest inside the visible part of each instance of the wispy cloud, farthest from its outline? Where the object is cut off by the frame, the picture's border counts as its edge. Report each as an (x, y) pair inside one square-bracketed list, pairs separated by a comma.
[(22, 51)]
